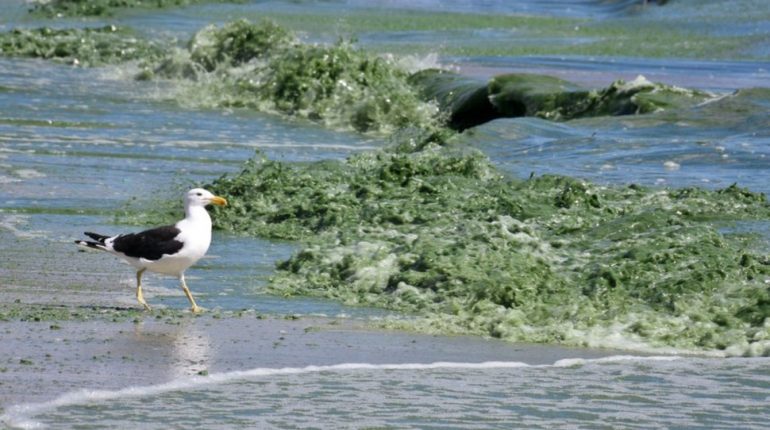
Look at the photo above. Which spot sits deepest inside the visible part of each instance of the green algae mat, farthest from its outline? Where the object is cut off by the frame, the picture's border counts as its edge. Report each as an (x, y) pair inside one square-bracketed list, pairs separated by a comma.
[(440, 234)]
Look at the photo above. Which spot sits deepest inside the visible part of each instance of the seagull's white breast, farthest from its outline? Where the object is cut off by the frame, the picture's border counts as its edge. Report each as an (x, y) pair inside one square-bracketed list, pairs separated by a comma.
[(195, 235)]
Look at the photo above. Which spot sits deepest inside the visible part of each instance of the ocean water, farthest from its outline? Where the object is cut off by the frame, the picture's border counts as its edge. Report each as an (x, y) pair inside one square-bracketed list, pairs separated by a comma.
[(79, 146), (609, 393)]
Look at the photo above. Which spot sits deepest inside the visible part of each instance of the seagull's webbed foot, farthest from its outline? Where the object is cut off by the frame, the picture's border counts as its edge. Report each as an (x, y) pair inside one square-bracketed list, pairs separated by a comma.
[(143, 303)]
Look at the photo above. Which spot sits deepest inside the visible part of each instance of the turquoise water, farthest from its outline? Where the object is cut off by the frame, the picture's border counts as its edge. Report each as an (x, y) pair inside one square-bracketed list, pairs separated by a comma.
[(78, 145)]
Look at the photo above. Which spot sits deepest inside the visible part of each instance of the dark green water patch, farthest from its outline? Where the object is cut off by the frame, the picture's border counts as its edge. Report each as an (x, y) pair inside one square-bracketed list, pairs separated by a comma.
[(490, 35), (51, 123), (622, 38), (35, 210), (471, 102), (48, 313), (74, 8), (84, 46), (53, 314), (439, 233), (746, 108)]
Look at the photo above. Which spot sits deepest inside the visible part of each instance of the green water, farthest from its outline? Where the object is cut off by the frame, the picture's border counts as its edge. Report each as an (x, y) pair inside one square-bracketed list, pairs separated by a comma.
[(80, 8)]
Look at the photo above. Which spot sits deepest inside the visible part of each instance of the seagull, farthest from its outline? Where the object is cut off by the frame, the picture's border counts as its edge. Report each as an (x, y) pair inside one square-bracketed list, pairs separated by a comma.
[(168, 250)]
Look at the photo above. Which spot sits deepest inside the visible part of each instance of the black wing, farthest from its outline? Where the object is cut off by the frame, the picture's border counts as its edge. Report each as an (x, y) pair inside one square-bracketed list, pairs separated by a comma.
[(149, 244)]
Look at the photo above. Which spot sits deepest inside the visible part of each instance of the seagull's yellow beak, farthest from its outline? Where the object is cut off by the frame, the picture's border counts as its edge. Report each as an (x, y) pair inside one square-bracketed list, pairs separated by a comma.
[(219, 201)]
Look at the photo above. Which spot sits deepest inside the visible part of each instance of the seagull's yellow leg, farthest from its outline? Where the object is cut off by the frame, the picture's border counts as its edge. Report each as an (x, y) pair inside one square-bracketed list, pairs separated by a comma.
[(139, 295), (195, 308)]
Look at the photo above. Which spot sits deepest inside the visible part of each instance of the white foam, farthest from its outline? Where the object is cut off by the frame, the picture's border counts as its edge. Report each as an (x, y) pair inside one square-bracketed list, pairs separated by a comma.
[(29, 174), (671, 165), (415, 63), (21, 416), (574, 362)]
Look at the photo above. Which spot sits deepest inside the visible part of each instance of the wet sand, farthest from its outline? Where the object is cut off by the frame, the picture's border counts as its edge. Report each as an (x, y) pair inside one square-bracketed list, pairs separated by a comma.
[(43, 359)]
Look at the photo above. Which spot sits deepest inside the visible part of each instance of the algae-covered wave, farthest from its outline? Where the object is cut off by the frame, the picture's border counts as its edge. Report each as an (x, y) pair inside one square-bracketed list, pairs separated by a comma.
[(470, 102), (441, 234), (265, 67)]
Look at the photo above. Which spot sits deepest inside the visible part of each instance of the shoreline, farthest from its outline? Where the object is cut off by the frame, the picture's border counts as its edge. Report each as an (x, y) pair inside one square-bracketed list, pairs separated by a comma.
[(50, 357)]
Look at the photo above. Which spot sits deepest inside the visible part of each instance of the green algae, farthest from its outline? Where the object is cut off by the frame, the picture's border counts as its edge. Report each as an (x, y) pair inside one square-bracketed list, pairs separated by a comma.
[(54, 315), (75, 8), (237, 42), (342, 85), (47, 313), (218, 49), (87, 46), (263, 67), (325, 194), (439, 233)]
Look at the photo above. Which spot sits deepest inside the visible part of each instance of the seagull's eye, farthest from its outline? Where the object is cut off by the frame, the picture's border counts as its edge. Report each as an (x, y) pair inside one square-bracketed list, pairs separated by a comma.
[(198, 194)]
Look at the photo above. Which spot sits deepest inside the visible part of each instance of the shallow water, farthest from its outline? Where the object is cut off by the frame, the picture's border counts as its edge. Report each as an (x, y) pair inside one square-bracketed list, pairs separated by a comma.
[(720, 76), (614, 392), (622, 150), (78, 145)]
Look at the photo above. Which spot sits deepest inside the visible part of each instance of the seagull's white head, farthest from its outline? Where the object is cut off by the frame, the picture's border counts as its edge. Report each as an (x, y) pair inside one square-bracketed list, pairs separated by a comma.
[(201, 197)]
